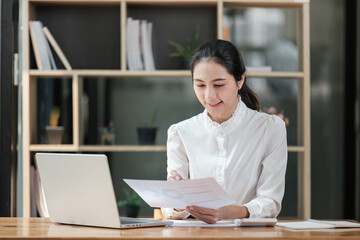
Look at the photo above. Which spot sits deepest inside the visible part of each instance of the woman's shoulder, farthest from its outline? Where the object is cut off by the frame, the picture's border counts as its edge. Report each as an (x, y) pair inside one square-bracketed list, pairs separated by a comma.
[(186, 124), (274, 124), (270, 120)]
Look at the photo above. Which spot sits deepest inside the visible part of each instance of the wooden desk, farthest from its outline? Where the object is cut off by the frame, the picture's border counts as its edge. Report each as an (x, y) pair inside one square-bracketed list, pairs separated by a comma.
[(42, 228)]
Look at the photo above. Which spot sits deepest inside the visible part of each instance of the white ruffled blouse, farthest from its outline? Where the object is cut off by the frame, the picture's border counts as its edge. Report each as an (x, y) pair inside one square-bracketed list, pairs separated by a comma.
[(247, 155)]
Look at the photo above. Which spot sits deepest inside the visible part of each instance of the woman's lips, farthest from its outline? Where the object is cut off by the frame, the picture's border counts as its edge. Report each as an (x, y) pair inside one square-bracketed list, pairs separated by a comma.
[(214, 105)]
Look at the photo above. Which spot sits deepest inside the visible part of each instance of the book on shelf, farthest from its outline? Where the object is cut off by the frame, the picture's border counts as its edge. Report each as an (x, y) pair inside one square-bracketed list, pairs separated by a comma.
[(39, 42), (48, 51), (139, 45), (40, 38), (129, 44), (146, 43), (57, 48)]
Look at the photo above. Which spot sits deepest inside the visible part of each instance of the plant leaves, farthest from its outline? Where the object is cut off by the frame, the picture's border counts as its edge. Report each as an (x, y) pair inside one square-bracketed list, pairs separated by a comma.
[(189, 49), (153, 119), (138, 119)]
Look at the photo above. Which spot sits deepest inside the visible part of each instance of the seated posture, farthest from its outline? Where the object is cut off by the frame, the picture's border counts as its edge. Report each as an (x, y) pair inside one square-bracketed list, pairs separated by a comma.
[(243, 149)]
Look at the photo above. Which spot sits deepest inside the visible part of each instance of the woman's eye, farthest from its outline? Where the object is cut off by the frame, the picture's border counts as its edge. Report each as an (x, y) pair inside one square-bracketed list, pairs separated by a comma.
[(219, 85), (200, 86)]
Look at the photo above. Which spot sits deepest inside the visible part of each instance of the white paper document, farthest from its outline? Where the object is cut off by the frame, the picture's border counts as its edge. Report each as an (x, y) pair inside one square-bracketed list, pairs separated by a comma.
[(318, 224), (244, 222), (194, 223), (204, 192)]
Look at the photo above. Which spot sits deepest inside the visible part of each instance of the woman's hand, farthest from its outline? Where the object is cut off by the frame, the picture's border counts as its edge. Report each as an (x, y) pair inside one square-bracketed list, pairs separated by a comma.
[(175, 176), (209, 215)]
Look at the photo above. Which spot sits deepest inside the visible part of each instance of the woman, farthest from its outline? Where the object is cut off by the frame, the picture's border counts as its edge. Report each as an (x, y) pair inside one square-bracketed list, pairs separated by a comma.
[(243, 149)]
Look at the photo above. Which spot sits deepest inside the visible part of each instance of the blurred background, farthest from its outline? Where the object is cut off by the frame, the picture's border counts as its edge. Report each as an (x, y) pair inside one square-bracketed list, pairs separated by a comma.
[(264, 36)]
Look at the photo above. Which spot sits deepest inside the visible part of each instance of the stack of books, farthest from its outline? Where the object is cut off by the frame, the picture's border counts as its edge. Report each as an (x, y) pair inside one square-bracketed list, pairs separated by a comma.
[(40, 38), (139, 51)]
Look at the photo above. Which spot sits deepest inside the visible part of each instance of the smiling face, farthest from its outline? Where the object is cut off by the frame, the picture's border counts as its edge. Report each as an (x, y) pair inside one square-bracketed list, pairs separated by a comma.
[(216, 89)]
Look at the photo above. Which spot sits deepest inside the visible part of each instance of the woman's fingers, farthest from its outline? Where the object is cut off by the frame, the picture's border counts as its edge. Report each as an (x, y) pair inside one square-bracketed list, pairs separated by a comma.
[(175, 175), (204, 217), (207, 215), (202, 210), (171, 178)]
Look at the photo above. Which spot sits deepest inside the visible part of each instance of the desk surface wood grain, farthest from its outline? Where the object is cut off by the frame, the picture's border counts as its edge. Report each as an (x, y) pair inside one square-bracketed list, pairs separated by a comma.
[(42, 228)]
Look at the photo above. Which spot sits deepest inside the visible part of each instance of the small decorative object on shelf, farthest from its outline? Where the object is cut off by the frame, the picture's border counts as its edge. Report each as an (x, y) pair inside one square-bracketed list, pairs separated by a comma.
[(146, 132), (188, 50), (274, 111), (53, 134), (132, 203), (107, 134)]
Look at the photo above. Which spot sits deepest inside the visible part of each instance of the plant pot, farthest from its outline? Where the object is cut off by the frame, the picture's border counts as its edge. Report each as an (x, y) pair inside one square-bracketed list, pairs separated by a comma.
[(53, 135), (132, 211), (146, 135), (107, 138)]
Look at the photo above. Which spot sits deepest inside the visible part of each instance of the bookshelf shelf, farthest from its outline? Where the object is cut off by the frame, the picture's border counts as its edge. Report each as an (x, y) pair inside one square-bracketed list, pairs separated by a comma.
[(173, 2), (157, 73), (96, 148), (100, 52), (123, 148), (276, 74), (115, 148), (264, 3), (110, 73), (53, 147), (77, 2)]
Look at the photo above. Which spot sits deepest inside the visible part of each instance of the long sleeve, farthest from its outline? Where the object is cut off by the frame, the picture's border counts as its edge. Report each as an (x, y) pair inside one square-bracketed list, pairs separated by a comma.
[(176, 160), (176, 155), (271, 183)]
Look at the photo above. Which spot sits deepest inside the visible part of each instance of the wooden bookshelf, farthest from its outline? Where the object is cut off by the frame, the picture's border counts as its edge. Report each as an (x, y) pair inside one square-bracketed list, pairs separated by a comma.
[(121, 9)]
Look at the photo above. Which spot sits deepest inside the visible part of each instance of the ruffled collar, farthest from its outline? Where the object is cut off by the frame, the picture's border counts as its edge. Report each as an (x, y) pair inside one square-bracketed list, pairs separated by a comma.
[(225, 127)]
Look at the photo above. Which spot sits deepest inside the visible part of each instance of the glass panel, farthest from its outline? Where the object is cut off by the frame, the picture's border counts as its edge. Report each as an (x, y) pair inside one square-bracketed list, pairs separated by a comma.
[(327, 36), (54, 93), (265, 36), (281, 94)]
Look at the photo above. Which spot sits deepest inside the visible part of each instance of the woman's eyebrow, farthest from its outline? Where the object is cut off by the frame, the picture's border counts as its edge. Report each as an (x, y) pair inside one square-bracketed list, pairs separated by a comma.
[(215, 80)]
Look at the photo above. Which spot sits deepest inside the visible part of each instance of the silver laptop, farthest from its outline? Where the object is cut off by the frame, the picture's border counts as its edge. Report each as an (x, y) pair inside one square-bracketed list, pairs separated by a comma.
[(78, 190)]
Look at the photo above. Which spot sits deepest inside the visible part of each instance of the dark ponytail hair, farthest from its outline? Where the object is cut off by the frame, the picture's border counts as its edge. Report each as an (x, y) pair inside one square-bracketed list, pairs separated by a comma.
[(226, 54)]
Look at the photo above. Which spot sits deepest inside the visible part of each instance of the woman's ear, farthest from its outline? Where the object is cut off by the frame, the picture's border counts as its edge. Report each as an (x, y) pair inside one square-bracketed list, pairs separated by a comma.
[(241, 82)]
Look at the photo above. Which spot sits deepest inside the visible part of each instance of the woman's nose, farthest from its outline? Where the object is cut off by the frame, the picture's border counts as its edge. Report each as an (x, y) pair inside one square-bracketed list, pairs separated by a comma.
[(210, 93)]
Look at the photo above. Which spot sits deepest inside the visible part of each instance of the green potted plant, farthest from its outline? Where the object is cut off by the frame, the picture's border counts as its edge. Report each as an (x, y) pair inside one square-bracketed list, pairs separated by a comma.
[(187, 50), (132, 203), (146, 132)]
